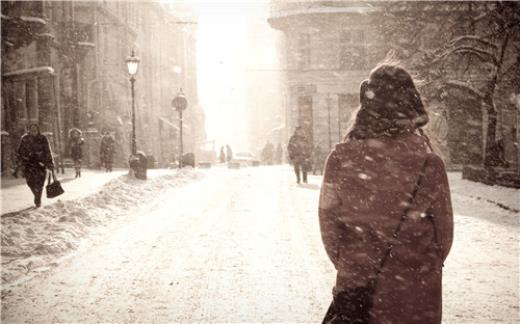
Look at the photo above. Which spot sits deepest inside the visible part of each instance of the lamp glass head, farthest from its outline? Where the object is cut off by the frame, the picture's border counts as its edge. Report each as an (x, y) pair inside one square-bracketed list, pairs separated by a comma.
[(132, 62)]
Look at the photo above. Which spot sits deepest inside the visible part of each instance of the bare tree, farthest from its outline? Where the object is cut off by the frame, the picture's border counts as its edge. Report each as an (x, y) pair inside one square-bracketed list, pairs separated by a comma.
[(467, 45)]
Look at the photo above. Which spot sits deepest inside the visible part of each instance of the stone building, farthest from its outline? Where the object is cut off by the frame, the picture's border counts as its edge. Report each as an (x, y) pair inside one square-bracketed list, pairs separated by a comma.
[(30, 81), (81, 46), (329, 48)]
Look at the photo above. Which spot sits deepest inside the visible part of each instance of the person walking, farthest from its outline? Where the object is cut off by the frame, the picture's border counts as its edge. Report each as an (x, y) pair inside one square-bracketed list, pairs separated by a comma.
[(299, 153), (229, 153), (34, 154), (222, 155), (75, 150), (267, 153), (106, 151), (385, 210), (318, 160)]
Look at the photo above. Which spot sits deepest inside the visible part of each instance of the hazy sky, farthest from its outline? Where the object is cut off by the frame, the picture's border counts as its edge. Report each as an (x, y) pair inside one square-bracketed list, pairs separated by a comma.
[(222, 60), (224, 57)]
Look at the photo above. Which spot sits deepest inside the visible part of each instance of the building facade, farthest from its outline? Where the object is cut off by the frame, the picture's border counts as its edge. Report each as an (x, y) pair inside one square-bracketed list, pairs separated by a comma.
[(328, 51), (63, 66), (331, 46)]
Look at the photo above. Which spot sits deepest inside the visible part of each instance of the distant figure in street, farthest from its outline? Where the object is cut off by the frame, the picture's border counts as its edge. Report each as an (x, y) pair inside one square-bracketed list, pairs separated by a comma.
[(222, 155), (75, 151), (279, 154), (385, 209), (267, 153), (299, 153), (106, 151), (317, 160), (34, 154), (229, 153)]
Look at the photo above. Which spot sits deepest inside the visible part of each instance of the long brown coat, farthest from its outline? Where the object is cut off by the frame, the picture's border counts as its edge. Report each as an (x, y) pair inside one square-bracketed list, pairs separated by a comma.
[(366, 187)]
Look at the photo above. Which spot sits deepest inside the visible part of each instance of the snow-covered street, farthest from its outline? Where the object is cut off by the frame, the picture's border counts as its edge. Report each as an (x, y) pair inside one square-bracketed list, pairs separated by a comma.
[(223, 245)]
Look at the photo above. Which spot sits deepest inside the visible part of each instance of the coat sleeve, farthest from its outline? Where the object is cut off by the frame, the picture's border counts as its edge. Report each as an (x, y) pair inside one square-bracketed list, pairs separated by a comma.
[(22, 153), (331, 229), (434, 200)]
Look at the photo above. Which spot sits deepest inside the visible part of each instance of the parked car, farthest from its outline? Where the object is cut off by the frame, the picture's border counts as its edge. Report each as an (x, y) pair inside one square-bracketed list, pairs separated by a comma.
[(241, 159), (188, 159)]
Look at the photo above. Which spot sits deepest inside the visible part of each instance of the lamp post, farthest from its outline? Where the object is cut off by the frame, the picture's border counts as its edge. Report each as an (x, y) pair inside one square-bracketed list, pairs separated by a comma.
[(180, 103), (132, 63)]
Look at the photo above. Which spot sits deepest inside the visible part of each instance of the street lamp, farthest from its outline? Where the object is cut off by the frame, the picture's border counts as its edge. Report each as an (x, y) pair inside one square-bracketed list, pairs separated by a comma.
[(180, 103), (132, 63)]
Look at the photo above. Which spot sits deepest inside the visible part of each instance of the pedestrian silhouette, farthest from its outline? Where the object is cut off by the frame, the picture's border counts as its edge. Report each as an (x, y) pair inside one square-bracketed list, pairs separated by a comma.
[(229, 153), (268, 153), (222, 155), (299, 153), (106, 151), (34, 154), (75, 149), (385, 212)]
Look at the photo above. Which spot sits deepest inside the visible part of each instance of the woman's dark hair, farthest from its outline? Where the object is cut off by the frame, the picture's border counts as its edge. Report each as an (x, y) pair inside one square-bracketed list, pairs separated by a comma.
[(389, 104)]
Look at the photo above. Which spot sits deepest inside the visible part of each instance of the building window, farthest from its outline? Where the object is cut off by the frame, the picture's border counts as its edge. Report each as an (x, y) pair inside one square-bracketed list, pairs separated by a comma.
[(49, 12), (353, 54), (303, 52)]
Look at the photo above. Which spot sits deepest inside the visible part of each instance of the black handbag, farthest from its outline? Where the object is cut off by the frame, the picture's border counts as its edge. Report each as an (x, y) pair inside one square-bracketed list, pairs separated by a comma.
[(353, 305), (53, 188)]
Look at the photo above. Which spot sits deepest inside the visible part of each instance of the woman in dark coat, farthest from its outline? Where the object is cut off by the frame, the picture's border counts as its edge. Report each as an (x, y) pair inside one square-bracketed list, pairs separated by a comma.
[(367, 187), (34, 154), (76, 153), (106, 151)]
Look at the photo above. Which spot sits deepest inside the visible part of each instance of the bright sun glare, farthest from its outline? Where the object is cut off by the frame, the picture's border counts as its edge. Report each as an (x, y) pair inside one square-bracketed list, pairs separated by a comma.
[(222, 55)]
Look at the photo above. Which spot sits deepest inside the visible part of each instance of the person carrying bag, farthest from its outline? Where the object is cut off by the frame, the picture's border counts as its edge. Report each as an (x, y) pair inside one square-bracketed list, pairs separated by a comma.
[(54, 188), (385, 210), (35, 156)]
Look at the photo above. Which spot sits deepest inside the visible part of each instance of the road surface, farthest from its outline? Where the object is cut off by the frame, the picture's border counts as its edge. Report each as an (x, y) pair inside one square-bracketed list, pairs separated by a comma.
[(244, 246)]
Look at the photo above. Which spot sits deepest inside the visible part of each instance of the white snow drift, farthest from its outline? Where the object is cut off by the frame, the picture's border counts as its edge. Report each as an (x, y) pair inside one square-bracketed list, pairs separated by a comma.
[(34, 238)]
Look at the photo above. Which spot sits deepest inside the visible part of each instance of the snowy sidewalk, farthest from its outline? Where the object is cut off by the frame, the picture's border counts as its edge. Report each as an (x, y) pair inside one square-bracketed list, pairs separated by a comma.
[(17, 196), (34, 238)]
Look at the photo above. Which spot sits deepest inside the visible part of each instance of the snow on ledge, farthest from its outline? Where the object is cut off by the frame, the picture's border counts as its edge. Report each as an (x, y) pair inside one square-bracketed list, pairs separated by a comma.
[(46, 35), (322, 10), (87, 44), (40, 69), (33, 19)]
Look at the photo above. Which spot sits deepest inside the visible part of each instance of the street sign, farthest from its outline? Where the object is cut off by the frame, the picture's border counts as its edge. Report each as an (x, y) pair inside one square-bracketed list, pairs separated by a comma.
[(179, 102)]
